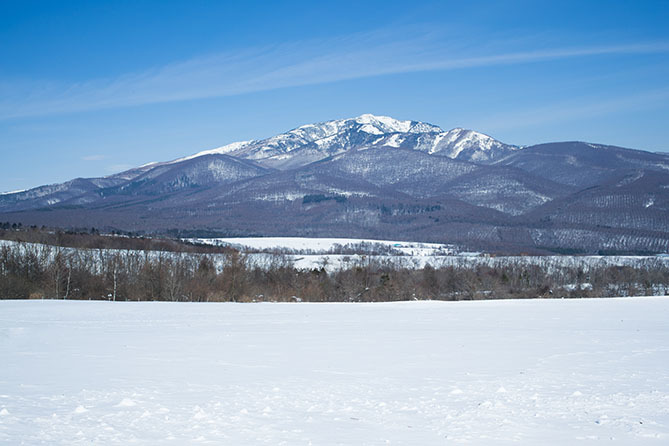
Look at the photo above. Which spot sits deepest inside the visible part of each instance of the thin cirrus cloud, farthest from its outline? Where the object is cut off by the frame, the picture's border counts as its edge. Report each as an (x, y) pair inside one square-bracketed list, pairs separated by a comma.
[(278, 66)]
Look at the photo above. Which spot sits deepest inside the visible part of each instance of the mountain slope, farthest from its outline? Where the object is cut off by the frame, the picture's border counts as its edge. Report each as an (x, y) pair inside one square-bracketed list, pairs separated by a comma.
[(378, 177), (294, 149), (637, 200), (313, 142), (54, 194), (582, 164), (204, 171), (505, 189)]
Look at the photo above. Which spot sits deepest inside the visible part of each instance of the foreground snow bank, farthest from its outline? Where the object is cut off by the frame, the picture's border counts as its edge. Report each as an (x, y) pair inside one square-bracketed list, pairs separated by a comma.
[(538, 372)]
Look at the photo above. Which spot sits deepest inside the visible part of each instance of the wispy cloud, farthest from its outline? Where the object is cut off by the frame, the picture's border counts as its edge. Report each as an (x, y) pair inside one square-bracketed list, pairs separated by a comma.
[(279, 66)]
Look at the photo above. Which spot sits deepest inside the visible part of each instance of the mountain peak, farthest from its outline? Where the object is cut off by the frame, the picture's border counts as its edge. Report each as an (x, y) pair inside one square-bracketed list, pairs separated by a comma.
[(386, 124), (312, 142), (471, 145)]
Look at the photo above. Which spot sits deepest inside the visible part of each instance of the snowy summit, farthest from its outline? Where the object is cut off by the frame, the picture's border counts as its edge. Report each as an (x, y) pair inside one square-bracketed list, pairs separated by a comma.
[(311, 142)]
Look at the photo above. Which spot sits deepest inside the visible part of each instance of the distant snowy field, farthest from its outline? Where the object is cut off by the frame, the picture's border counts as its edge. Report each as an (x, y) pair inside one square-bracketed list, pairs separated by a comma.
[(413, 373), (311, 253), (325, 244), (413, 255)]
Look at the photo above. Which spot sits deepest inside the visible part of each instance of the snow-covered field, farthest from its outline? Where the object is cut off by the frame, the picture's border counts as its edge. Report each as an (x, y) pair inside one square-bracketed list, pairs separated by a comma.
[(334, 262), (414, 255), (323, 245), (308, 253), (415, 373)]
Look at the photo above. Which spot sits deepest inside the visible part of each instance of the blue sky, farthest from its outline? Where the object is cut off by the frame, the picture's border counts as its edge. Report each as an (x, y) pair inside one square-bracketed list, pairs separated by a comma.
[(92, 88)]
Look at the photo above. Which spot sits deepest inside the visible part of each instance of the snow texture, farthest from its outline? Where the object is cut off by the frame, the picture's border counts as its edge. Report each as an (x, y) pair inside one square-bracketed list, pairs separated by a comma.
[(323, 244), (417, 373), (312, 142), (310, 253)]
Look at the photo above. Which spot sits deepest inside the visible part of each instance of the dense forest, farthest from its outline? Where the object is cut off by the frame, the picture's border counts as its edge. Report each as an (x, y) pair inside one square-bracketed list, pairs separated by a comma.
[(40, 264)]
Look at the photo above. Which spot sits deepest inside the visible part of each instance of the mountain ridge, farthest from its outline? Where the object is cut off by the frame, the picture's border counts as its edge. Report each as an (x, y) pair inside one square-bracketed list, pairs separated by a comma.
[(381, 177), (325, 139)]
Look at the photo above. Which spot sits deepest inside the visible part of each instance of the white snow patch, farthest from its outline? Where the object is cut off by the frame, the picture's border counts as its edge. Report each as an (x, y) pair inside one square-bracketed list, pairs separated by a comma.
[(423, 373), (232, 147), (13, 192), (288, 196), (387, 123), (325, 244), (126, 402), (394, 141), (370, 129)]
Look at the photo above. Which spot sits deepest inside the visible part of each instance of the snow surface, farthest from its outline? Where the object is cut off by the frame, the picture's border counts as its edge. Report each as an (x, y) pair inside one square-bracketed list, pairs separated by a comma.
[(217, 151), (323, 244), (334, 137), (18, 191), (416, 373), (309, 254), (415, 260), (312, 253), (321, 134)]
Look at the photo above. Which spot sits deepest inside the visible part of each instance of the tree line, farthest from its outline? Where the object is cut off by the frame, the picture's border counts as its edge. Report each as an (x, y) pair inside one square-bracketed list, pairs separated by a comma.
[(92, 239), (40, 271)]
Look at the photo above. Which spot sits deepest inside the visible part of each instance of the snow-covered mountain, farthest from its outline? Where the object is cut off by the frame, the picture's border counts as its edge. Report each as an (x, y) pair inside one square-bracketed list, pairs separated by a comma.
[(466, 145), (379, 177), (313, 142)]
